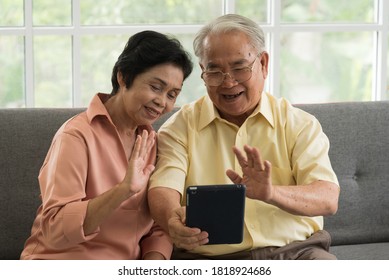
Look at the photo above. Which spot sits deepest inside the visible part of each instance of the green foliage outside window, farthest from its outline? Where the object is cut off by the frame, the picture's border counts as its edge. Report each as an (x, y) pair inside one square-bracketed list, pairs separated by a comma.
[(314, 66)]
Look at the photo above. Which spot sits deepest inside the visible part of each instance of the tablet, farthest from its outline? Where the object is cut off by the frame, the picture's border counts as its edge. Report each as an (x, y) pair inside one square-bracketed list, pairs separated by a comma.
[(218, 210)]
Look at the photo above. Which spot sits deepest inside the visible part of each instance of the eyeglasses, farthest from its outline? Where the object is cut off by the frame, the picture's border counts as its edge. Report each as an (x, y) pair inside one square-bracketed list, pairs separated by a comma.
[(240, 75)]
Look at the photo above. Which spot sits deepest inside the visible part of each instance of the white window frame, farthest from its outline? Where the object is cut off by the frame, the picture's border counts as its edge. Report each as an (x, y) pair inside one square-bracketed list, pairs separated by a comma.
[(274, 28)]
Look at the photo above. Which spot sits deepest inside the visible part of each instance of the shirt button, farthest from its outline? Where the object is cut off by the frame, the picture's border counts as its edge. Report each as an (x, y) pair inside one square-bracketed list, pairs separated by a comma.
[(252, 226)]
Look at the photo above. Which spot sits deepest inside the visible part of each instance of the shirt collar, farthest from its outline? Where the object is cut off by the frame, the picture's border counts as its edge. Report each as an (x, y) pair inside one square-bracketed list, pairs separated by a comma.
[(265, 109), (209, 112), (97, 108)]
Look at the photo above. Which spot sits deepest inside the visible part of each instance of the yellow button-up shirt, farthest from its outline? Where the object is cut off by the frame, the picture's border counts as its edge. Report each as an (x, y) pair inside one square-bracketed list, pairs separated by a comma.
[(195, 148)]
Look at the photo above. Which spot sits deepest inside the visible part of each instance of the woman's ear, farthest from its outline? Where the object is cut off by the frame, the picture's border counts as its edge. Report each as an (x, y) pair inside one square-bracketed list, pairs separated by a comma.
[(119, 77)]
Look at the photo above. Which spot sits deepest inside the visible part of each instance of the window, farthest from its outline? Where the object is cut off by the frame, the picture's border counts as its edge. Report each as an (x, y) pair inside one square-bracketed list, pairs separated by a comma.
[(59, 53)]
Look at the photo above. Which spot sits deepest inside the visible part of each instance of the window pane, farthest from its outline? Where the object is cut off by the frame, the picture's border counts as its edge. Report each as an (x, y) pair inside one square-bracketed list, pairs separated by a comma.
[(12, 71), (193, 86), (385, 94), (323, 67), (52, 12), (97, 64), (330, 11), (254, 9), (11, 13), (52, 71), (117, 12), (98, 56)]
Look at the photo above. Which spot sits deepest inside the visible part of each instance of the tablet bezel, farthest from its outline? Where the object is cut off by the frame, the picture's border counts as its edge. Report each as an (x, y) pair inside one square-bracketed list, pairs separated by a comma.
[(217, 209)]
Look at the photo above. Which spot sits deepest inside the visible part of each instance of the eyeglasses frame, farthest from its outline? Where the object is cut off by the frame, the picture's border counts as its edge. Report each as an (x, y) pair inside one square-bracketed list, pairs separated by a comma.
[(250, 67)]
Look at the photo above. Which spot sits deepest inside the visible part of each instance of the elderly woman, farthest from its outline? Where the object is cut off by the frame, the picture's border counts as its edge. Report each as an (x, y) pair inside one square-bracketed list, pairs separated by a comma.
[(93, 181)]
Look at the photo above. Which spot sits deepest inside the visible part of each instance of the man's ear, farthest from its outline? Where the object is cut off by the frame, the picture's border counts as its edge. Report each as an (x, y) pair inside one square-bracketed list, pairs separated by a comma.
[(202, 70), (264, 64)]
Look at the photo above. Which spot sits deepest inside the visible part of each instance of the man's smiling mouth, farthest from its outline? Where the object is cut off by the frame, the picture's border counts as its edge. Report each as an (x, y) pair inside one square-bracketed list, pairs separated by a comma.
[(233, 96)]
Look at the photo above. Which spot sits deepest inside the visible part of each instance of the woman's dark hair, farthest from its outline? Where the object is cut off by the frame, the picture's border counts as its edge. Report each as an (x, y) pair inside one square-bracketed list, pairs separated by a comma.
[(145, 50)]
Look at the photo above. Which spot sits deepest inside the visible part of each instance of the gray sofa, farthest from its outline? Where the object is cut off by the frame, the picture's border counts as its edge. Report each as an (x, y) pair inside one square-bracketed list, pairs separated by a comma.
[(359, 136)]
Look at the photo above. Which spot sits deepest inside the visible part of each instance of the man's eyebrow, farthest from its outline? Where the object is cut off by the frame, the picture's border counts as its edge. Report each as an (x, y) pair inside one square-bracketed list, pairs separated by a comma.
[(238, 62), (211, 65)]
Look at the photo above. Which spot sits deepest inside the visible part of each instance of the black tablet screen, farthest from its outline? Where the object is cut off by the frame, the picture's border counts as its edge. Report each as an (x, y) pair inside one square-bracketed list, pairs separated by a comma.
[(218, 210)]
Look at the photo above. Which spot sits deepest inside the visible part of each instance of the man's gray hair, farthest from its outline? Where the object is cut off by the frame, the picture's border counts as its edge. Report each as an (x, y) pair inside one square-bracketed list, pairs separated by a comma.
[(227, 23)]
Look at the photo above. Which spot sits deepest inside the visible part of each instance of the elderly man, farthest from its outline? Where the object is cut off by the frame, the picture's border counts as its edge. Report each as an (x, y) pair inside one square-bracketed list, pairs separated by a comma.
[(237, 133)]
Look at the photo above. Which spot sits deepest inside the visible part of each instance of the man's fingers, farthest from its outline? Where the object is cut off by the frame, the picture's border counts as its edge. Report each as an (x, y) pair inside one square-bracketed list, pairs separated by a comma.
[(191, 242), (234, 177), (254, 159), (241, 158)]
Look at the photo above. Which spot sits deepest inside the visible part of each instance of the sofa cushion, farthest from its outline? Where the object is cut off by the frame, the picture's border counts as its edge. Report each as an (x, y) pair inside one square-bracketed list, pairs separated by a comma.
[(368, 251)]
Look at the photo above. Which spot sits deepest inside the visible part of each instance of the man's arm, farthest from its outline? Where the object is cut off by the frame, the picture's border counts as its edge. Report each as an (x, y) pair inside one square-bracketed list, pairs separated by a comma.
[(166, 210), (319, 198), (162, 202)]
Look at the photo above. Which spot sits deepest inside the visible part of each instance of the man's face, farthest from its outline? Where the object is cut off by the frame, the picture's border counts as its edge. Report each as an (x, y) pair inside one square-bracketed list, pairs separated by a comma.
[(228, 53)]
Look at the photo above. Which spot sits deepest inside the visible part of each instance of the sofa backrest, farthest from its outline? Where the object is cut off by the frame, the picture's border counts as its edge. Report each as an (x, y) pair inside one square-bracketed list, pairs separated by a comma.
[(359, 153), (25, 138), (358, 133)]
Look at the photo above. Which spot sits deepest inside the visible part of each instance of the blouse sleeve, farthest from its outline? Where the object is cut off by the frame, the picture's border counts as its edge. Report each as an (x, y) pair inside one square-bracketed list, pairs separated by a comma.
[(157, 240), (62, 181)]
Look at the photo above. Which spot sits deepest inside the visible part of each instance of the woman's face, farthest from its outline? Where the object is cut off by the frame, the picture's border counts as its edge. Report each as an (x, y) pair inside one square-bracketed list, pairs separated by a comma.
[(152, 93)]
